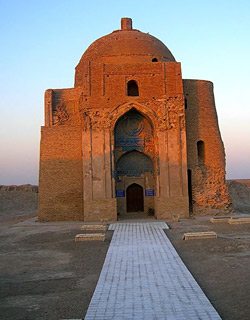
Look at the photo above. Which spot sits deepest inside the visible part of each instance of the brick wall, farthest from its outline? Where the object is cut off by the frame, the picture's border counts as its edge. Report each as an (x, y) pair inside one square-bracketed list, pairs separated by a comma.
[(60, 181), (77, 163), (208, 180)]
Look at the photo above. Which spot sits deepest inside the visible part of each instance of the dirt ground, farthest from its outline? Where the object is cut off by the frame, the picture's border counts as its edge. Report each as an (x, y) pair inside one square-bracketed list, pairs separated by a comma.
[(220, 266), (44, 274)]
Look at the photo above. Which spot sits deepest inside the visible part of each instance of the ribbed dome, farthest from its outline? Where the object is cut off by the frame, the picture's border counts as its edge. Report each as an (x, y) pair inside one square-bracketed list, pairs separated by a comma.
[(126, 46)]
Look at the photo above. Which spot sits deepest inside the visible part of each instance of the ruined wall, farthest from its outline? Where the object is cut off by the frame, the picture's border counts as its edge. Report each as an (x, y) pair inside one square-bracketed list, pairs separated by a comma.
[(62, 107), (209, 190), (77, 145), (60, 179), (92, 108), (79, 155)]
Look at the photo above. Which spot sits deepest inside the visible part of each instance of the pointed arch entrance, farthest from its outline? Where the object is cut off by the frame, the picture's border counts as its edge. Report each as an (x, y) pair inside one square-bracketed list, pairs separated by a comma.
[(134, 163)]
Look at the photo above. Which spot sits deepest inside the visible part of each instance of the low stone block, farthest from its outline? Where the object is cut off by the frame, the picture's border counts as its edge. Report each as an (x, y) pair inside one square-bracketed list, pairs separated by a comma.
[(199, 235), (220, 219), (94, 227), (239, 220), (90, 237), (175, 217)]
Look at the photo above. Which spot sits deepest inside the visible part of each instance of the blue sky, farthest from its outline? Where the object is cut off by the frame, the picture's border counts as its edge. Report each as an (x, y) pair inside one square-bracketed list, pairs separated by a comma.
[(42, 42)]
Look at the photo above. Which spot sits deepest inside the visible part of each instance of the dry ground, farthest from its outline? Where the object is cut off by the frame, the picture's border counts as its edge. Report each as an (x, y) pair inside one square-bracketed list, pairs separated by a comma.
[(44, 274), (221, 266)]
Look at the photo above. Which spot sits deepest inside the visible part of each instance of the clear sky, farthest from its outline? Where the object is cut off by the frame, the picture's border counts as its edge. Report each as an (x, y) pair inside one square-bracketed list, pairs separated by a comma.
[(42, 42)]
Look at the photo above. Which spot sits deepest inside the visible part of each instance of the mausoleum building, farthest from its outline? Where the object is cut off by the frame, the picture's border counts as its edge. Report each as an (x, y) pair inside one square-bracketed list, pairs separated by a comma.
[(131, 136)]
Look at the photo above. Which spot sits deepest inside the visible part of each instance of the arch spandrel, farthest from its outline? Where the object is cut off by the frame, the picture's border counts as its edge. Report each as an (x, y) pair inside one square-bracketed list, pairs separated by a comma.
[(119, 111)]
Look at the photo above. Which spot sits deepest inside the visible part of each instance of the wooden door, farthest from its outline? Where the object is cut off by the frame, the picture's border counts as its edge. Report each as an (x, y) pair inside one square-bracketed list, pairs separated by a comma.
[(134, 196)]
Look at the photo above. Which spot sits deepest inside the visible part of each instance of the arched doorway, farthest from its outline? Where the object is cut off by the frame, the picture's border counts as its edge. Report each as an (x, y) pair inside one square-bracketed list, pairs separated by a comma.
[(134, 172), (134, 196), (134, 167)]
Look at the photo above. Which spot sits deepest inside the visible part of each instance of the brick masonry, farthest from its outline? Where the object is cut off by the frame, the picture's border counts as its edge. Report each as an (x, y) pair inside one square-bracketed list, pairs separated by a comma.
[(79, 156)]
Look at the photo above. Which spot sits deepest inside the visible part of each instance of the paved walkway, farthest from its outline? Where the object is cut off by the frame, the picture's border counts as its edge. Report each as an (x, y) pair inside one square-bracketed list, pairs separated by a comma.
[(143, 278)]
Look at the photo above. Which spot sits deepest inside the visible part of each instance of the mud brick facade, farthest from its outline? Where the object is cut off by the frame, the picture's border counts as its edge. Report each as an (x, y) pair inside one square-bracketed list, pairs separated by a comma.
[(131, 136)]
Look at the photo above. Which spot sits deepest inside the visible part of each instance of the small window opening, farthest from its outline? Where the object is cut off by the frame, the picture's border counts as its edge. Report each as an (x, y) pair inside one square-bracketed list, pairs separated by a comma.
[(201, 152), (132, 89), (186, 103), (154, 60), (190, 196)]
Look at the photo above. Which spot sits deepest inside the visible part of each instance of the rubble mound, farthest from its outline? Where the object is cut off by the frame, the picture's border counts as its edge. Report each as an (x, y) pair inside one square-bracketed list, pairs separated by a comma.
[(18, 200), (240, 196), (23, 187), (21, 200)]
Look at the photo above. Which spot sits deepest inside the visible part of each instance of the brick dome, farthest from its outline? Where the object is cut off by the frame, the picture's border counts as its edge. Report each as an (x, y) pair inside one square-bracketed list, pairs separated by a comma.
[(125, 46)]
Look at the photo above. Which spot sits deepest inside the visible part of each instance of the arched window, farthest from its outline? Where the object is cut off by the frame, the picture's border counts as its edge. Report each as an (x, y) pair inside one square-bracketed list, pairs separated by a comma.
[(134, 164), (132, 89), (201, 152), (154, 60)]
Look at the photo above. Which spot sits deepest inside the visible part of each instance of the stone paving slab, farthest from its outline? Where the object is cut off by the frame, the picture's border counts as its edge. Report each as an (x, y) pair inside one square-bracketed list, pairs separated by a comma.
[(159, 224), (236, 220), (90, 237), (95, 227), (199, 235), (143, 278), (220, 219)]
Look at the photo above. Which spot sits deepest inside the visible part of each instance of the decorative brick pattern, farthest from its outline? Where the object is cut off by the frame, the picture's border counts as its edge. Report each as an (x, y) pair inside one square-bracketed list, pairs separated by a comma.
[(89, 128)]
